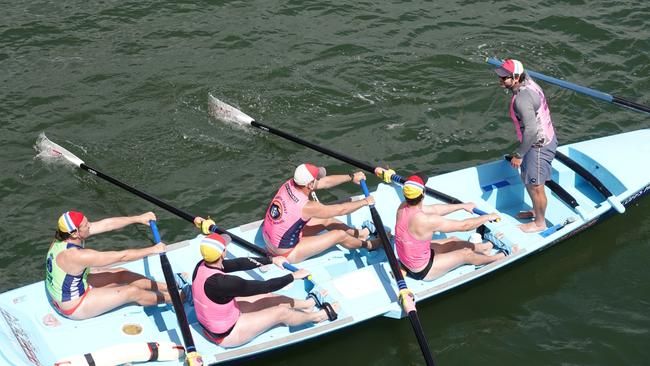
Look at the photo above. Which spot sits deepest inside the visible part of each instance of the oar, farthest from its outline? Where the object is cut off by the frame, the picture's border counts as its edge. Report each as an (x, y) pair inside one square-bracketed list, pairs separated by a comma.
[(58, 151), (192, 357), (229, 113), (309, 279), (580, 89), (406, 297)]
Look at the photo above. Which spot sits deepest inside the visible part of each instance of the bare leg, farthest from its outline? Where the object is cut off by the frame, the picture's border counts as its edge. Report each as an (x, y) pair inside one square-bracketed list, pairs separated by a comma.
[(538, 196), (257, 302), (454, 243), (251, 324), (445, 262), (316, 226), (313, 245), (121, 276), (102, 299)]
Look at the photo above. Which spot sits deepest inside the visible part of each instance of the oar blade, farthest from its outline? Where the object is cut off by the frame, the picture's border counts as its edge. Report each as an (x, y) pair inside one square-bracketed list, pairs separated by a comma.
[(228, 113), (48, 150)]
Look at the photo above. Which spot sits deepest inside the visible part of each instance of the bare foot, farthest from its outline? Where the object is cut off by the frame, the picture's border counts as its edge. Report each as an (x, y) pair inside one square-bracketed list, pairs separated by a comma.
[(531, 227), (310, 302), (375, 243), (363, 233), (322, 315), (483, 248), (525, 215)]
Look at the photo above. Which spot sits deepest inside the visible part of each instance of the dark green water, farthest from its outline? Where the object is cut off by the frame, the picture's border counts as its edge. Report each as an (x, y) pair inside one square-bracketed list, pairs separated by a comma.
[(124, 85)]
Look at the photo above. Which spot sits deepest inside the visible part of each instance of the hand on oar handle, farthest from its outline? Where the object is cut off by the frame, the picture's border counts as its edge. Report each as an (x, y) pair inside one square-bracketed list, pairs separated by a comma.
[(469, 207), (204, 224), (493, 217), (145, 218), (370, 200), (279, 261), (384, 174), (300, 274), (158, 248), (357, 177)]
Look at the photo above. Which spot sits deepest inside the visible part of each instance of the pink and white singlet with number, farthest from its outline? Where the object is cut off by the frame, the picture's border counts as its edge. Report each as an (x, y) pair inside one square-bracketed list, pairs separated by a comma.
[(283, 222)]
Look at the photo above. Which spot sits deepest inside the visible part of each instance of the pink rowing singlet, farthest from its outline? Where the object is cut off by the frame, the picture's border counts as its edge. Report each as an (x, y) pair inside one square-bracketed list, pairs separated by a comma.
[(543, 113), (413, 253), (283, 222), (217, 318)]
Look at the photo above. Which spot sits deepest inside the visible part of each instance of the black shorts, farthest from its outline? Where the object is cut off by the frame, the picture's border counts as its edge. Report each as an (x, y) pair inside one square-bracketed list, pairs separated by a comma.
[(421, 274)]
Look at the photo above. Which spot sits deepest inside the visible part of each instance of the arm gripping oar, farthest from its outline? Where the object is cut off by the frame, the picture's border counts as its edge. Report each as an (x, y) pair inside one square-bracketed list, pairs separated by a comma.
[(229, 113), (406, 297), (57, 150), (580, 89), (192, 356)]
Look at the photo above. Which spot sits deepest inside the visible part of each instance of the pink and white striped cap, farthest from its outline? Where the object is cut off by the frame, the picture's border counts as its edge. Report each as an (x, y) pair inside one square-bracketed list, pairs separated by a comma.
[(510, 67)]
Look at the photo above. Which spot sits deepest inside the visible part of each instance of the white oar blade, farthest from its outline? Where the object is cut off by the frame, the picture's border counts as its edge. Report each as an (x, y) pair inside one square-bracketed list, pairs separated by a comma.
[(49, 151), (228, 113)]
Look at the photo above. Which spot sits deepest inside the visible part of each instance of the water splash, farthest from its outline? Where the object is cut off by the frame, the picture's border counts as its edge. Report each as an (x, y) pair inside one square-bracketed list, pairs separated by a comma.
[(52, 154)]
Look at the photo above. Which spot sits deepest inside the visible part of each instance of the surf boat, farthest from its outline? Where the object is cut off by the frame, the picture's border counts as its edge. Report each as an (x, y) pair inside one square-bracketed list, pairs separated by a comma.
[(590, 183)]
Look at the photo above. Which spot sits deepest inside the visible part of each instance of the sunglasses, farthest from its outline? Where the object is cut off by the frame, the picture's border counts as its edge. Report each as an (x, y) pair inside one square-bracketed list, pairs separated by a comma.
[(505, 77)]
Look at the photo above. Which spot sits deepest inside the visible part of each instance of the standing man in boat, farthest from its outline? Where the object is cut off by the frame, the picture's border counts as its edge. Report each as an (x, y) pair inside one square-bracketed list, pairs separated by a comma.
[(293, 223), (77, 289), (233, 310), (425, 259), (529, 112)]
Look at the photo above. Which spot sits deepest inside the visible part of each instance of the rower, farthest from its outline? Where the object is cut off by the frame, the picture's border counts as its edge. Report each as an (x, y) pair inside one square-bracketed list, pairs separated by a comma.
[(77, 289), (233, 310)]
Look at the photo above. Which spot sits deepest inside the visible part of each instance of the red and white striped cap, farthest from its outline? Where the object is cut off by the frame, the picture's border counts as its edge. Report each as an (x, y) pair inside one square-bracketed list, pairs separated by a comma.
[(510, 67), (70, 221), (306, 173), (213, 245)]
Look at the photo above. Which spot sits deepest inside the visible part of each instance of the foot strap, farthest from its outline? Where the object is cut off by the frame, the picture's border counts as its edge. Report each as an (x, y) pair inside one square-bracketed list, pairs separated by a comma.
[(329, 310), (323, 305)]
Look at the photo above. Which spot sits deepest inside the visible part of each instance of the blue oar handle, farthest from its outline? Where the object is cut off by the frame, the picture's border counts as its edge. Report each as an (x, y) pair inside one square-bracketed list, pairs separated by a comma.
[(154, 230), (479, 212), (293, 268), (364, 188), (290, 267), (482, 213)]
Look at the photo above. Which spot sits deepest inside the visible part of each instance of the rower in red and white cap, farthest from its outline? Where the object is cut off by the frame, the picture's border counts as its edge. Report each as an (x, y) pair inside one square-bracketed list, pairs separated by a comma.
[(78, 290), (293, 226)]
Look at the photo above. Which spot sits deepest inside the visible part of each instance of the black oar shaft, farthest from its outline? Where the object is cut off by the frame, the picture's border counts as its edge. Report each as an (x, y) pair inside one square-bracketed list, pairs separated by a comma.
[(177, 303), (352, 161), (359, 164), (164, 205), (629, 104), (399, 278)]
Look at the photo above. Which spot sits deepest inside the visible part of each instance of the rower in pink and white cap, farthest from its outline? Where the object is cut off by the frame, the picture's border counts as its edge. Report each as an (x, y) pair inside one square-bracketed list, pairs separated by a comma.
[(293, 226)]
